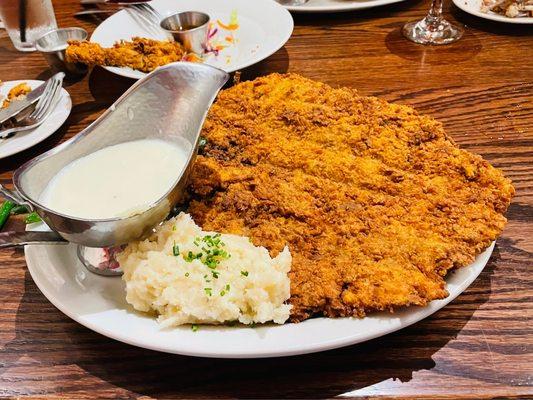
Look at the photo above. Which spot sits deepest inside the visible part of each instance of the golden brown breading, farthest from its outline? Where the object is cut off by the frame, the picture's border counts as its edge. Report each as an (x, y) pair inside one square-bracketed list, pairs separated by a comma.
[(140, 54), (376, 202), (17, 92)]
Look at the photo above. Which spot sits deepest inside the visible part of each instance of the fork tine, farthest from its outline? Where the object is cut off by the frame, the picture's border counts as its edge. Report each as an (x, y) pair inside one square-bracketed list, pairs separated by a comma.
[(56, 79), (48, 106), (43, 102), (44, 96), (149, 13), (154, 12), (140, 13), (144, 19)]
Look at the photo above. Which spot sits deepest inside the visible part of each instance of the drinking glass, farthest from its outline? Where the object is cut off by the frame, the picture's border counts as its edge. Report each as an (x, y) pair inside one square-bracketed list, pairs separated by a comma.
[(26, 20), (433, 29)]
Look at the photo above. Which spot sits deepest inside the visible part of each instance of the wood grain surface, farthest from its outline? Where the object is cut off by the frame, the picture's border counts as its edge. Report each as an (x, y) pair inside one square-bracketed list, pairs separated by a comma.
[(479, 346)]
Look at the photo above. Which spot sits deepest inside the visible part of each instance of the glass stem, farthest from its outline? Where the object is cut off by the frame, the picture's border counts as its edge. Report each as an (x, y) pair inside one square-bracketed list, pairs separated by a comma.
[(435, 12)]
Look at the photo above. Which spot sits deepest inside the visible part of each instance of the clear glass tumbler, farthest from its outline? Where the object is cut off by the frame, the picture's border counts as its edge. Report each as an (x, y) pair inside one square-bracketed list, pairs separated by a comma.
[(26, 20)]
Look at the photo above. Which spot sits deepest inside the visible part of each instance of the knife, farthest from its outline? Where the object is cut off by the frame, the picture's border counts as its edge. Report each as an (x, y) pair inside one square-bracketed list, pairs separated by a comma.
[(94, 12), (19, 239), (20, 105)]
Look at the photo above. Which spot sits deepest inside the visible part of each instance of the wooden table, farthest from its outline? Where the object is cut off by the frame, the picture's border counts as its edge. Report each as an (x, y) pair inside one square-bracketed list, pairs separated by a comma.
[(479, 346)]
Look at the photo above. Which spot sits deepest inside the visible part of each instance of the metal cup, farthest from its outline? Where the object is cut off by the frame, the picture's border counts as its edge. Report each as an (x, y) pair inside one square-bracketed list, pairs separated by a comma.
[(188, 28), (53, 46)]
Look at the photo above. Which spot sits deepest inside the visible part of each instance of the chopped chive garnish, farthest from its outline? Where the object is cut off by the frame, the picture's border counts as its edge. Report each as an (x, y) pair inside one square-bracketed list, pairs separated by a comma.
[(175, 250), (211, 254), (244, 273), (187, 274), (194, 327), (215, 274), (174, 227), (208, 291), (227, 287), (222, 293)]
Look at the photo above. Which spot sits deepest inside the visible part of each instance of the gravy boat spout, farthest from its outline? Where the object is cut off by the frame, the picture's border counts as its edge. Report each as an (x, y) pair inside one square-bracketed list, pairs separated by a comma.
[(169, 104)]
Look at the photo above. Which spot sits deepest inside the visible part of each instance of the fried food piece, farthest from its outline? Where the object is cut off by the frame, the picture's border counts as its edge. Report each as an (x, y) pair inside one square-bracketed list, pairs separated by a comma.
[(141, 54), (376, 202), (17, 92)]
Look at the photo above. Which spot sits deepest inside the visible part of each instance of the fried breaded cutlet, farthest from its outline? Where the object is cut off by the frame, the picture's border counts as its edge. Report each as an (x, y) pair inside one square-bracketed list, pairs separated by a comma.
[(141, 54), (376, 202), (17, 92)]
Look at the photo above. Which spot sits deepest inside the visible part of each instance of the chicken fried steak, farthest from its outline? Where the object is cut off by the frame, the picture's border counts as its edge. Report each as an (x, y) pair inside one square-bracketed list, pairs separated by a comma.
[(376, 202), (141, 54)]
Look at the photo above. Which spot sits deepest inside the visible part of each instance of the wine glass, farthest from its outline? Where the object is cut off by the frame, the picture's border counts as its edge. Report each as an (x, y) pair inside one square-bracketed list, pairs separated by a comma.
[(433, 28)]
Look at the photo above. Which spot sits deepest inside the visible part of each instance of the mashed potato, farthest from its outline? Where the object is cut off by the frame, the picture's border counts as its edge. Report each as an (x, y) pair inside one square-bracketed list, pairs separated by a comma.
[(186, 275)]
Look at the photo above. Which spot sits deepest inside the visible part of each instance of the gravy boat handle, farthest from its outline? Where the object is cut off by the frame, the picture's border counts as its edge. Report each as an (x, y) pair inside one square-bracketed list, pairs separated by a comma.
[(20, 239), (14, 197)]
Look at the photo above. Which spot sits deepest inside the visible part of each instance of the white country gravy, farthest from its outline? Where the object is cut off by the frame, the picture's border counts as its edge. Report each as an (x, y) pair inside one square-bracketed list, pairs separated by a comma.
[(116, 181)]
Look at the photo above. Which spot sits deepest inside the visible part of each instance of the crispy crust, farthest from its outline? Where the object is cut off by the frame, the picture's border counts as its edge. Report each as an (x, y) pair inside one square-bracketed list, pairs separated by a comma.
[(17, 92), (141, 54), (376, 202)]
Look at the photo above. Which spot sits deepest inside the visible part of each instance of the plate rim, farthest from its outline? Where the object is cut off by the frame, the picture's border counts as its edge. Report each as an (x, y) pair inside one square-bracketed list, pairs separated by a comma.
[(343, 341), (493, 17), (58, 125), (341, 7), (133, 74)]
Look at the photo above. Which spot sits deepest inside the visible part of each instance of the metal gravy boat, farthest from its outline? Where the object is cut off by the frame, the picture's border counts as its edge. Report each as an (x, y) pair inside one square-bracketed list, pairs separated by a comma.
[(171, 104)]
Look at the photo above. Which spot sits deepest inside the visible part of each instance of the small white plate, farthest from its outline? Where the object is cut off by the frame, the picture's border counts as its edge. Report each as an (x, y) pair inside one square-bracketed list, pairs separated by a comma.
[(320, 6), (99, 304), (474, 7), (24, 140), (264, 27)]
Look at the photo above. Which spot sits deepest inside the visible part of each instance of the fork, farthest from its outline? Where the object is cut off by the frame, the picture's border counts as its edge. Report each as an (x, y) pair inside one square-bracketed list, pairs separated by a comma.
[(148, 12), (148, 18), (43, 108), (141, 6)]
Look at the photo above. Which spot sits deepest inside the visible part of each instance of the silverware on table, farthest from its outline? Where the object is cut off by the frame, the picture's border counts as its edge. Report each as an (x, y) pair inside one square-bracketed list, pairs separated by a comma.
[(188, 28), (147, 11), (14, 239), (53, 45), (9, 115), (142, 7), (97, 12), (43, 108), (170, 104)]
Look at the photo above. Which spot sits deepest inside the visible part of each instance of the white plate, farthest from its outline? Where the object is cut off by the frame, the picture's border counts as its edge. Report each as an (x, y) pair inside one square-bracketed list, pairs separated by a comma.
[(24, 140), (473, 7), (264, 27), (338, 5), (99, 304)]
